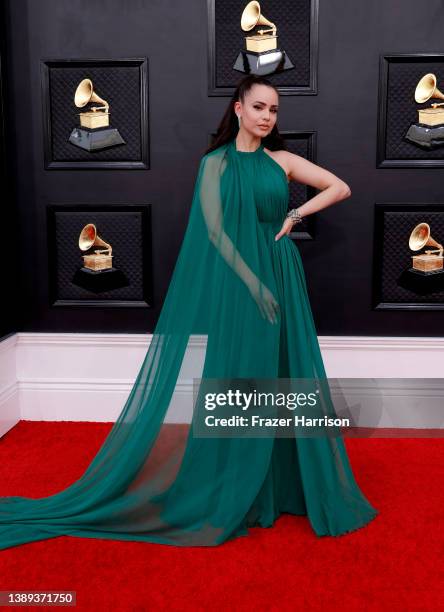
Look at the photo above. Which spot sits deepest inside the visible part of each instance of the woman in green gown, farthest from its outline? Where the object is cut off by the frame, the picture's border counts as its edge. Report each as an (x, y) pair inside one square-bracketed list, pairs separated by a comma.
[(238, 283)]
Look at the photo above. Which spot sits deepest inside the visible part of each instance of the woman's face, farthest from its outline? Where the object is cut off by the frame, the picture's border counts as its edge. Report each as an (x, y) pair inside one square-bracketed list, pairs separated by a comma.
[(259, 111)]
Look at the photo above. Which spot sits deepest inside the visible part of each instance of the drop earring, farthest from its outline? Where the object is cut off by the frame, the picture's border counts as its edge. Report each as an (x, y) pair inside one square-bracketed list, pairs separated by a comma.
[(239, 120)]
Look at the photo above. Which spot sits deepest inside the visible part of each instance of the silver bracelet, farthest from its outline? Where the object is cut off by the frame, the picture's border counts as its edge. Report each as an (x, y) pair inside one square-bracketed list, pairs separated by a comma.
[(294, 215)]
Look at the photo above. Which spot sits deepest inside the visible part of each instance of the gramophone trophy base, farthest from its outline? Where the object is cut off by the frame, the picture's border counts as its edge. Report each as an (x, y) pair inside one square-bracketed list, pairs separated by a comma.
[(426, 136), (261, 64), (431, 116), (100, 280), (261, 44), (97, 262), (427, 263), (94, 140), (93, 121), (422, 283)]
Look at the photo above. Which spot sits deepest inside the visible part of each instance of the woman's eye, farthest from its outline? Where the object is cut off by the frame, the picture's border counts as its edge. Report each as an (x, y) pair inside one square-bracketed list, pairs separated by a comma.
[(259, 108)]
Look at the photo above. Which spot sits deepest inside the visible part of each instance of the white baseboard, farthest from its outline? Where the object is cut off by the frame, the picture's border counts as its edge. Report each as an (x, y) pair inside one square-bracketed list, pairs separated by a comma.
[(88, 377), (9, 394)]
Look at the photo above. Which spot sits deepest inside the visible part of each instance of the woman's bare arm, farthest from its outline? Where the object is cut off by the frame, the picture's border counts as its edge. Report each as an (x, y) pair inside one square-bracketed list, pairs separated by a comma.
[(212, 211), (332, 188)]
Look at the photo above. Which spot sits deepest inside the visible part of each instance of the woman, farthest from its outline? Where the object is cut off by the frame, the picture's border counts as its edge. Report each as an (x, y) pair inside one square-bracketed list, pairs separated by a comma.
[(239, 284)]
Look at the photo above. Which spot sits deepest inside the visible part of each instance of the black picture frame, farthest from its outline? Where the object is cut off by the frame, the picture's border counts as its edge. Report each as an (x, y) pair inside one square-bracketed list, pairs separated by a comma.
[(393, 222), (141, 270), (411, 156), (137, 151), (298, 192), (284, 82)]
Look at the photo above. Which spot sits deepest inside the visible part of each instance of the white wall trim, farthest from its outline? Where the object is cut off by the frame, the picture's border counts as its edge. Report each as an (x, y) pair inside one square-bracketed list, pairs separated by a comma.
[(87, 377), (383, 342), (9, 394)]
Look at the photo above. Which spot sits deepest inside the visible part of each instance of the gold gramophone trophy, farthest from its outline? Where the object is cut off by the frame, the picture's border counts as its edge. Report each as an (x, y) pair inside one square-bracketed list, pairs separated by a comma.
[(426, 274), (101, 259), (262, 55), (428, 261), (97, 273), (94, 132), (428, 132)]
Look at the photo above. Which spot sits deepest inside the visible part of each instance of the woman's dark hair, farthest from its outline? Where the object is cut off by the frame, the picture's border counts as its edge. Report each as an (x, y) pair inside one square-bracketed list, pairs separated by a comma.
[(229, 126)]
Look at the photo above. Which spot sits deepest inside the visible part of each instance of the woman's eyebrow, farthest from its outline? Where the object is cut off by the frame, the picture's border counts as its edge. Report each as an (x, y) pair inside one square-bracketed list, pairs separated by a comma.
[(260, 102)]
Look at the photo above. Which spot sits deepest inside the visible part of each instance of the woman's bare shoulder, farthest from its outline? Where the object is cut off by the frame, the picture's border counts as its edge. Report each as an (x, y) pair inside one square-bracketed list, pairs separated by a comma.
[(281, 157), (282, 154)]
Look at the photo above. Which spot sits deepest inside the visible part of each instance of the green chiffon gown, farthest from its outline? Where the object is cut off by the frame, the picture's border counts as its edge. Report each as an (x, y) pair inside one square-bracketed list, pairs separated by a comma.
[(153, 479)]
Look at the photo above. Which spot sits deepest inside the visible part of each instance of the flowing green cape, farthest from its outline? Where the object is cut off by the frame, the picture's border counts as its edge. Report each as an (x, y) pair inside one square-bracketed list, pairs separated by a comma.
[(155, 481)]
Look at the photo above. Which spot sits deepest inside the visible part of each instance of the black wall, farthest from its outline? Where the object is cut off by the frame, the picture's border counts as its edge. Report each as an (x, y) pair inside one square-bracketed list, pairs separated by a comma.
[(173, 35), (10, 236)]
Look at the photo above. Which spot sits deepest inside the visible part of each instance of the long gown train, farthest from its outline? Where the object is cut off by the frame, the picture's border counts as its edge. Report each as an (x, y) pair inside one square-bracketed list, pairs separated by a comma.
[(156, 481)]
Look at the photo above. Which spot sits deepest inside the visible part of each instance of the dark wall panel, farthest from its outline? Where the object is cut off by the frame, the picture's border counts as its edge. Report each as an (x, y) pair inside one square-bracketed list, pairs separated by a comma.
[(10, 235)]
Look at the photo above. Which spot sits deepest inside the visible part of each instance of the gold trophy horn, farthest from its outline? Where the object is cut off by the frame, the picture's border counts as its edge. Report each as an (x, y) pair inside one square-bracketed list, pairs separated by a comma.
[(85, 94), (89, 238), (251, 17), (427, 89), (420, 237)]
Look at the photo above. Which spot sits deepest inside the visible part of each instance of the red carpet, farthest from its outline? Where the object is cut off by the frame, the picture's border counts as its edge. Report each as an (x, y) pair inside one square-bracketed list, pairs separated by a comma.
[(395, 562)]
